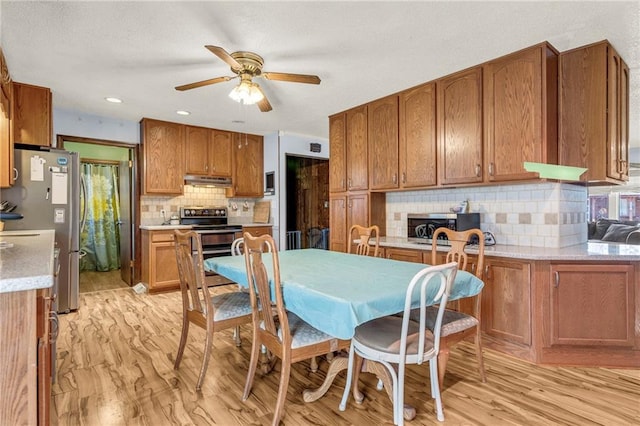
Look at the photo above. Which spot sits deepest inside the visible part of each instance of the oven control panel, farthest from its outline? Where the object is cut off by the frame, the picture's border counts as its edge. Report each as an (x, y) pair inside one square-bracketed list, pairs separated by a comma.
[(203, 212)]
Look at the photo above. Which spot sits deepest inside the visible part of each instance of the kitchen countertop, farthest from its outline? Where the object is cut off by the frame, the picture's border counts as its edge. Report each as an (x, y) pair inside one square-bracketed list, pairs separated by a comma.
[(589, 251), (28, 264), (163, 227)]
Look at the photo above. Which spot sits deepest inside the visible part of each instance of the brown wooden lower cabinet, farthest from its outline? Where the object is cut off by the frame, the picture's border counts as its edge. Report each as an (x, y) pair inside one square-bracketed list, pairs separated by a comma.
[(25, 357), (560, 313), (591, 305), (159, 264), (506, 302)]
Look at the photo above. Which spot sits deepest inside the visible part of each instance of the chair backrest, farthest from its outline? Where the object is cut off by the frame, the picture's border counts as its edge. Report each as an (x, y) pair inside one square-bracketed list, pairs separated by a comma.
[(433, 283), (195, 296), (263, 276), (458, 242), (364, 236), (237, 247)]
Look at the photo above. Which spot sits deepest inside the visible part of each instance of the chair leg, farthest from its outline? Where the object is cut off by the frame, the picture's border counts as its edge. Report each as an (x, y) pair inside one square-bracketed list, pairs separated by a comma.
[(443, 357), (253, 365), (435, 388), (236, 336), (314, 364), (183, 342), (479, 356), (282, 391), (208, 343), (347, 386)]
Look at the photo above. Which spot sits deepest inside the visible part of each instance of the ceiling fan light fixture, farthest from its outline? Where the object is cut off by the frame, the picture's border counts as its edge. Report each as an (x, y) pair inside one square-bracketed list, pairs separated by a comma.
[(247, 93)]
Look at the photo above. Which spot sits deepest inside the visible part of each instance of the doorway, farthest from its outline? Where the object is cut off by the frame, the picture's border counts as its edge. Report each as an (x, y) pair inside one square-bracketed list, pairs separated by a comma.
[(109, 210), (307, 188)]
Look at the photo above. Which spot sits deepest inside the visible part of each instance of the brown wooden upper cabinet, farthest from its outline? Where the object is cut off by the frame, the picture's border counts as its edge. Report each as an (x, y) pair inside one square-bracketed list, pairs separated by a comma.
[(357, 149), (248, 170), (382, 128), (163, 150), (31, 121), (208, 152), (6, 141), (460, 146), (337, 153), (417, 133), (348, 167), (520, 110), (594, 113)]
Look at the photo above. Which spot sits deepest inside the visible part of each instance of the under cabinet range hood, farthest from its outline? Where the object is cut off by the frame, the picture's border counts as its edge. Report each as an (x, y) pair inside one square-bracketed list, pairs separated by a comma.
[(212, 181)]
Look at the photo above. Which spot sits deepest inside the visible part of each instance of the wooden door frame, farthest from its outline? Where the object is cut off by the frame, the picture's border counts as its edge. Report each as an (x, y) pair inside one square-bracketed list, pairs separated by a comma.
[(135, 194)]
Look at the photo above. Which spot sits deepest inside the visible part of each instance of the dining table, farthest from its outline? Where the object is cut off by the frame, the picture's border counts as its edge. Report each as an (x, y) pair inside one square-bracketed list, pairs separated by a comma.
[(335, 292)]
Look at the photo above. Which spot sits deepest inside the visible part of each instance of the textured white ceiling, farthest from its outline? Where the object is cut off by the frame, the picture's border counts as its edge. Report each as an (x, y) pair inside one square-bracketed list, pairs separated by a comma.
[(139, 51)]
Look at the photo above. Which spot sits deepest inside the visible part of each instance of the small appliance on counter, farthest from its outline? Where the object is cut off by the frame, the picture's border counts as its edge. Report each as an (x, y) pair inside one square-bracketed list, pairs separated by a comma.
[(421, 226)]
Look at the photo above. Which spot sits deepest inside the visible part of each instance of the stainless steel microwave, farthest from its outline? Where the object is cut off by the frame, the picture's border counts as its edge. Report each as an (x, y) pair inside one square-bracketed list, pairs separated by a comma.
[(421, 226)]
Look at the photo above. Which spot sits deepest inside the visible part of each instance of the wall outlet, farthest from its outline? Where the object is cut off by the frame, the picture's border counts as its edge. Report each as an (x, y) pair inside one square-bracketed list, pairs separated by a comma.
[(163, 212)]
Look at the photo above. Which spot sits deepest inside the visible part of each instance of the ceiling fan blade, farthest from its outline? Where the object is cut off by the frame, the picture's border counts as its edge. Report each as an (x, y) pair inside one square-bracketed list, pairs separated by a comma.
[(295, 78), (264, 104), (204, 83), (224, 55)]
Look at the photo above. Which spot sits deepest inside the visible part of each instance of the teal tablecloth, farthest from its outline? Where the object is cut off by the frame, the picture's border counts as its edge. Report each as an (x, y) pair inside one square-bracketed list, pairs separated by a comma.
[(335, 292)]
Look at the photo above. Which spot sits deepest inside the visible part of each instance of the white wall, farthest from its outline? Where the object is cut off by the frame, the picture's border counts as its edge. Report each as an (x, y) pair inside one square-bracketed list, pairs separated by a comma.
[(74, 123), (276, 148)]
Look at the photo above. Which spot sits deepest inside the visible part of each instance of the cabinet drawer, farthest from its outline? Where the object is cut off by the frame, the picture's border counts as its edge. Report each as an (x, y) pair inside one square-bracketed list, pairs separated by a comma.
[(257, 231), (162, 236)]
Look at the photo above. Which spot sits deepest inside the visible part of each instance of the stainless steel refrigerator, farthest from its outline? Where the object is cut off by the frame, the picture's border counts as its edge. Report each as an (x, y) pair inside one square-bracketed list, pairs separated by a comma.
[(47, 195)]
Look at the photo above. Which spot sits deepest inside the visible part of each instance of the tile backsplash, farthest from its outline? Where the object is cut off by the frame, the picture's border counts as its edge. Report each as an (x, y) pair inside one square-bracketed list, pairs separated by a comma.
[(239, 210), (535, 215)]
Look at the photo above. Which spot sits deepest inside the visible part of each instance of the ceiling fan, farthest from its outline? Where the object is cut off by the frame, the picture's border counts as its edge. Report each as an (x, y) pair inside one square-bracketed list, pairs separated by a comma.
[(246, 66)]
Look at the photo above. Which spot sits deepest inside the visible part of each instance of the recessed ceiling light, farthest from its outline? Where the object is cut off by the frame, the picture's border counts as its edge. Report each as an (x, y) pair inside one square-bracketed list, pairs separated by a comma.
[(113, 100), (181, 112)]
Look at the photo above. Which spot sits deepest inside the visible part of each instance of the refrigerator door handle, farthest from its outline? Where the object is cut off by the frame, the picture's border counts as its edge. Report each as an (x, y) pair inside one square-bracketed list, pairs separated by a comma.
[(83, 188)]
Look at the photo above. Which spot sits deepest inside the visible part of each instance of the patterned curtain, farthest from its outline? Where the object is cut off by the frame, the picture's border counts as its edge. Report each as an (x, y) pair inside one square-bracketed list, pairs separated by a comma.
[(100, 237)]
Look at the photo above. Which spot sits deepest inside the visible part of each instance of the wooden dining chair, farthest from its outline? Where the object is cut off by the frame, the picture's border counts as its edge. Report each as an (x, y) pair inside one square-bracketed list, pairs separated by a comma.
[(213, 313), (283, 333), (456, 324), (397, 340), (364, 235)]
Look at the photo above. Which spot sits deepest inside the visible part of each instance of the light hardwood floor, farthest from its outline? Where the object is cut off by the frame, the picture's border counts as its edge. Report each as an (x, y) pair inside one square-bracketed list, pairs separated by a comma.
[(115, 367), (98, 281)]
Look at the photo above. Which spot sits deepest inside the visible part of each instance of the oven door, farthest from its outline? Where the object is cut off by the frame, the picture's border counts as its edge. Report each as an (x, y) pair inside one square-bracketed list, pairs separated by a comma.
[(216, 243)]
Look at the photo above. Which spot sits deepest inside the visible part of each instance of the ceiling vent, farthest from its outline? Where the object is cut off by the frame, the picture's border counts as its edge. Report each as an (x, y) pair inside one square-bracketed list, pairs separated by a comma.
[(315, 147)]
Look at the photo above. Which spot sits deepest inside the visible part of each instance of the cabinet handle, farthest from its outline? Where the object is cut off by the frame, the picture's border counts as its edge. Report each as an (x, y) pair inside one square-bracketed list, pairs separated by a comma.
[(490, 169), (349, 182), (15, 174), (342, 184), (55, 327), (404, 177), (395, 178), (486, 271), (477, 170), (206, 167), (556, 274)]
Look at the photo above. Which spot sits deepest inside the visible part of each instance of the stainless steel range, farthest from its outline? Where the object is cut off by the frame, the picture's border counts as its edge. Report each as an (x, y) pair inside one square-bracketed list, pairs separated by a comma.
[(212, 225)]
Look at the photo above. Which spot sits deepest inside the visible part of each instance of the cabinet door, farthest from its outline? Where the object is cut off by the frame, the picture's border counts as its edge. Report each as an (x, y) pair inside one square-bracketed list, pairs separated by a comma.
[(623, 142), (163, 148), (506, 310), (249, 166), (337, 153), (44, 333), (164, 273), (356, 137), (221, 153), (517, 101), (197, 140), (592, 305), (417, 133), (357, 212), (338, 222), (6, 141), (382, 128), (31, 115), (460, 127)]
